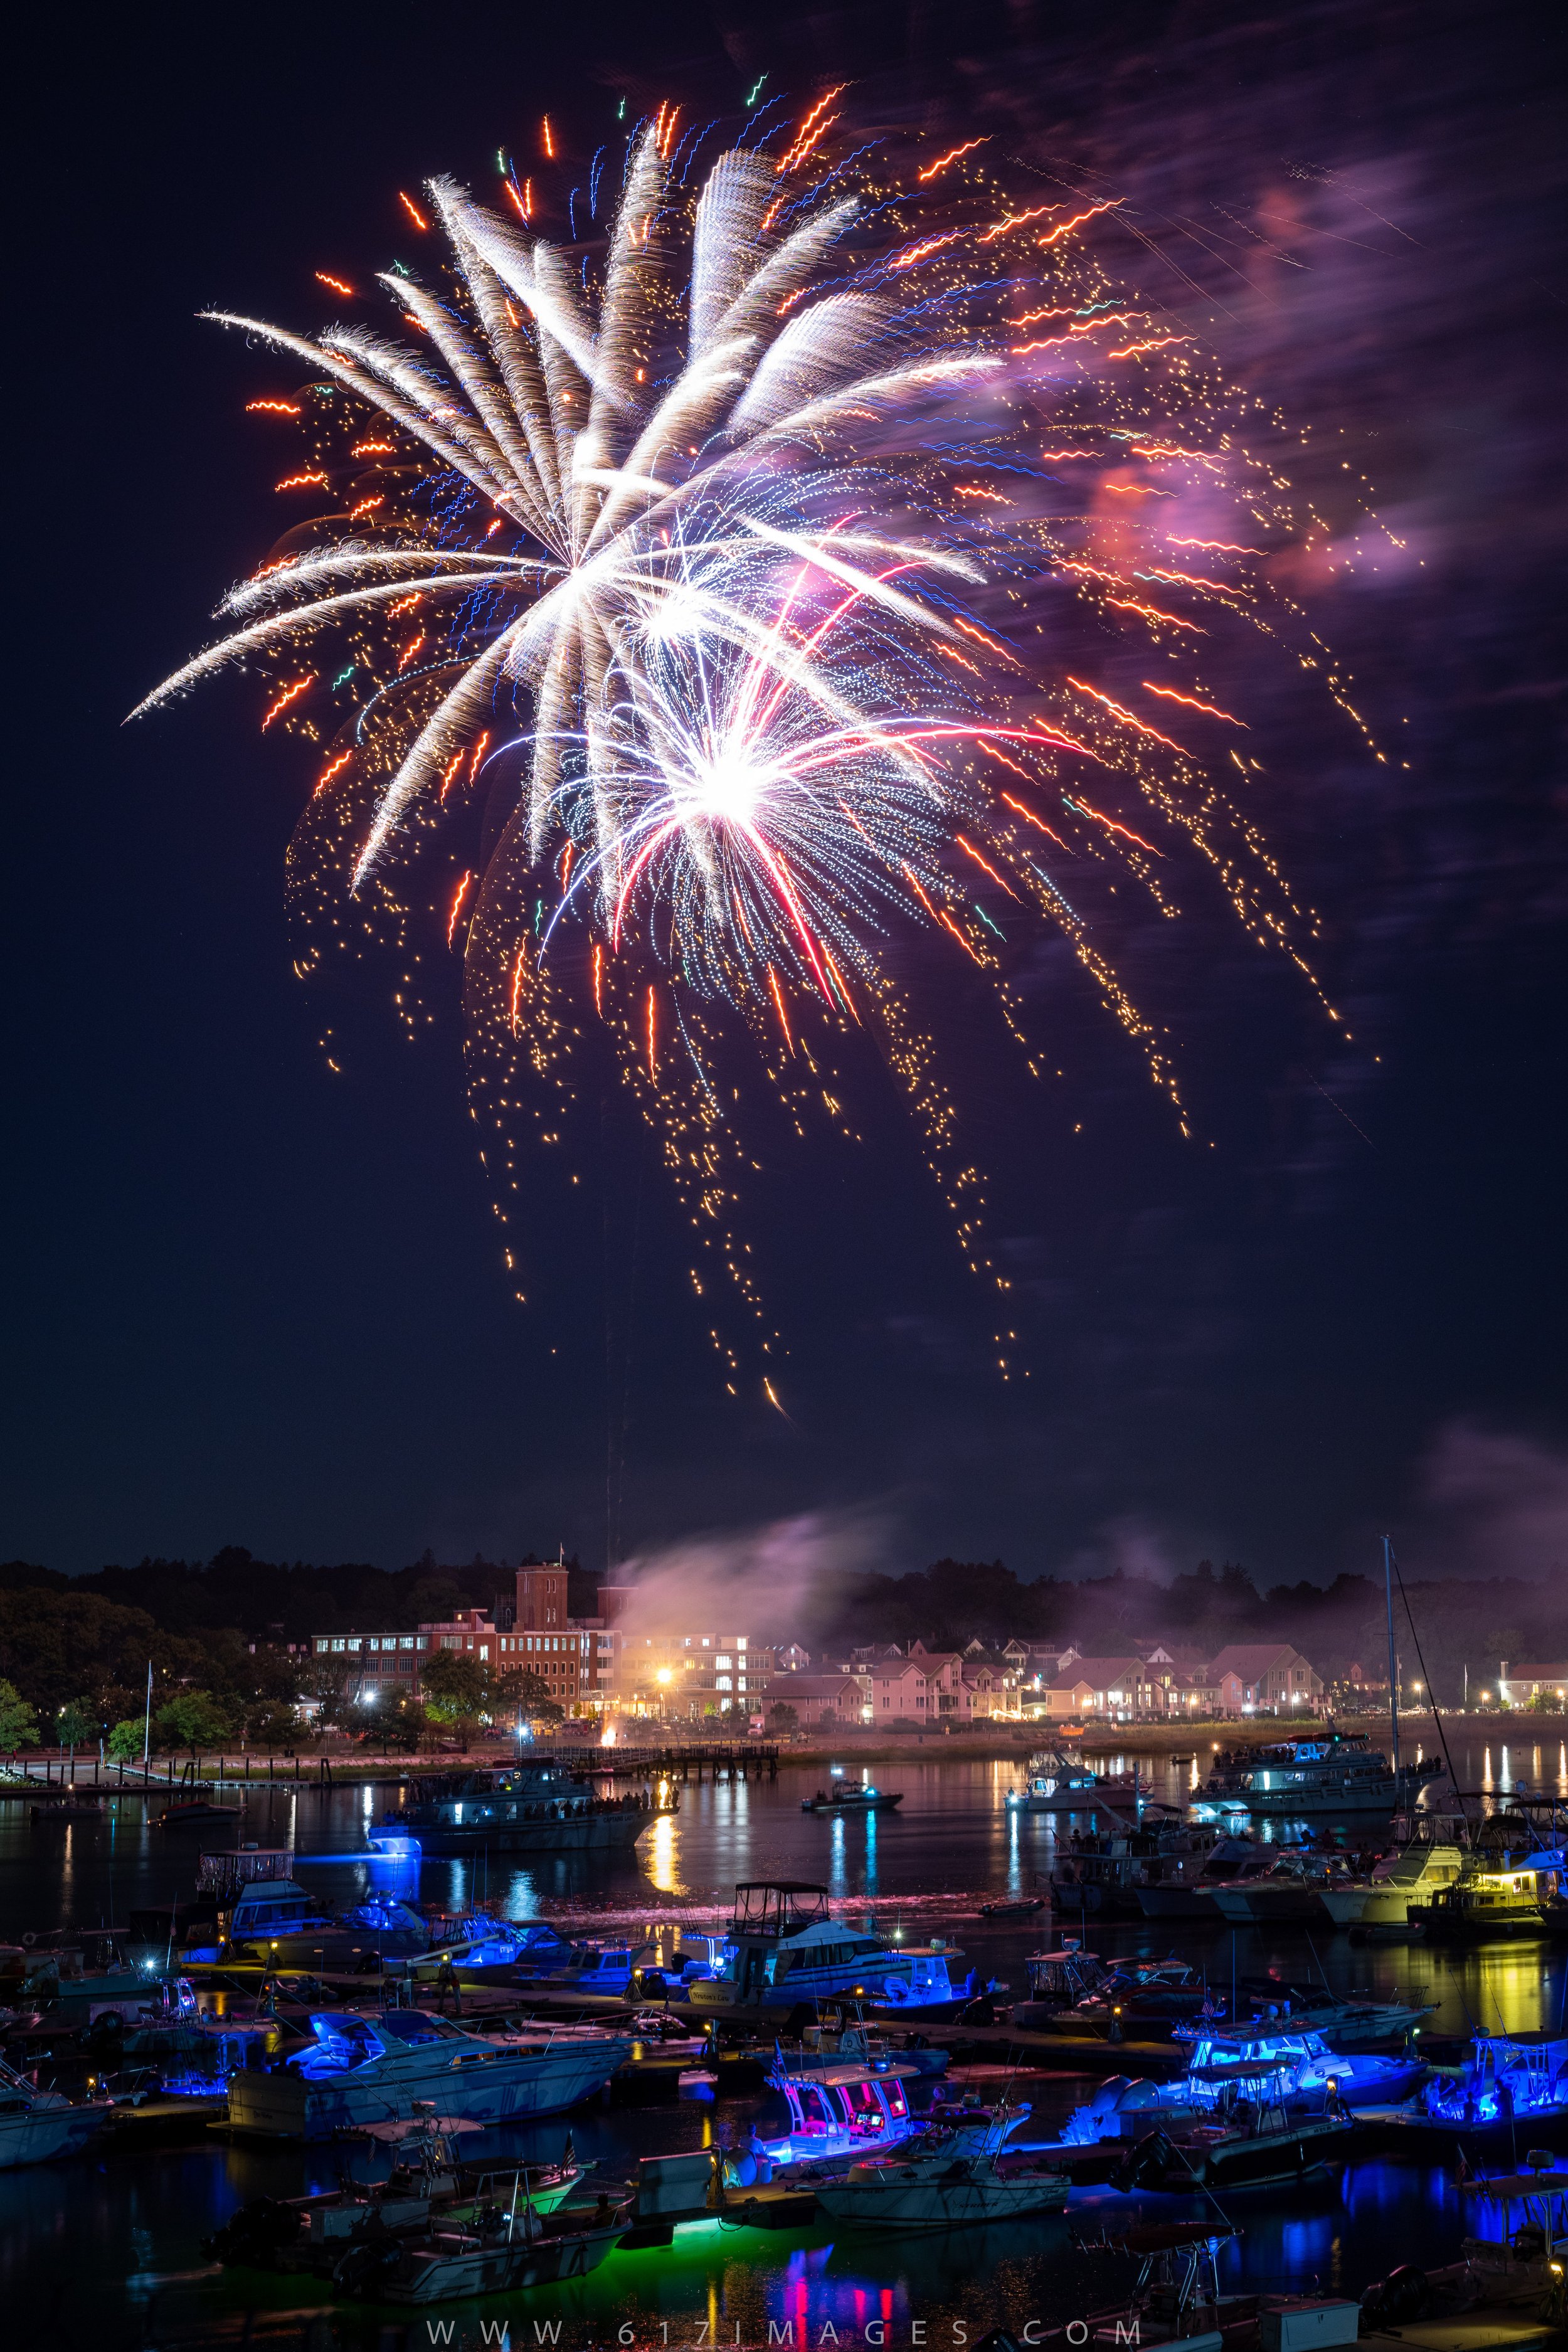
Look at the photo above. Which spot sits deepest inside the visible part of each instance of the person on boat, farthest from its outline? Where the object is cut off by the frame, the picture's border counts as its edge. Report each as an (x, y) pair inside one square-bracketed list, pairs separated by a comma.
[(447, 1982)]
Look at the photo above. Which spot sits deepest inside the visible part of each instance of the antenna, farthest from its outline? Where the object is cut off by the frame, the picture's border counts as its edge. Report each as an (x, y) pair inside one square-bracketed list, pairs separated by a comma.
[(1392, 1664)]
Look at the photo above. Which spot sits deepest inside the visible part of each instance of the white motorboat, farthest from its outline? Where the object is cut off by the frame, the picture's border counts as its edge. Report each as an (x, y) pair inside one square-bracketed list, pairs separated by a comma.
[(366, 2070), (949, 2180), (1058, 1783), (1413, 1873), (500, 2249), (38, 2125), (839, 2108), (784, 1946)]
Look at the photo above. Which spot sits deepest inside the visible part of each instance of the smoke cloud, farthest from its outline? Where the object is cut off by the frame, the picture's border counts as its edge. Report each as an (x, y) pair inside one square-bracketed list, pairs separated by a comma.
[(763, 1582), (1501, 1498)]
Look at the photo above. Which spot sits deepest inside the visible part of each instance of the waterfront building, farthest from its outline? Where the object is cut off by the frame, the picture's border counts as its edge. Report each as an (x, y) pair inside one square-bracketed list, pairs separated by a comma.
[(1520, 1685), (1263, 1678)]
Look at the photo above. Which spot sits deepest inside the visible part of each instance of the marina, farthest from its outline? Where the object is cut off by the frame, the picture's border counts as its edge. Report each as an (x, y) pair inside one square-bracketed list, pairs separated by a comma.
[(735, 2116)]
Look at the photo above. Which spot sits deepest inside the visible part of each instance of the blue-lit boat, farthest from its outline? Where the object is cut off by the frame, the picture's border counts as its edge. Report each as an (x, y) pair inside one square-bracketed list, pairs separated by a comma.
[(365, 2070), (840, 2108), (784, 1946), (1288, 2069), (1513, 2084)]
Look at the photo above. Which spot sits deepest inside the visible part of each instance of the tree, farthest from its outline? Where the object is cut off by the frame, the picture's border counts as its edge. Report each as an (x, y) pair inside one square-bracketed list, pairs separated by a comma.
[(125, 1741), (783, 1717), (457, 1691), (268, 1721), (525, 1693), (18, 1721), (193, 1720), (75, 1722), (402, 1727)]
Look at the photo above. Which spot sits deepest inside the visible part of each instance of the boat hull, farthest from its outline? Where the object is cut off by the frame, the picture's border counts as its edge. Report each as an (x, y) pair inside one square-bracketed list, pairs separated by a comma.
[(438, 2274), (38, 2134), (941, 2205), (508, 2086)]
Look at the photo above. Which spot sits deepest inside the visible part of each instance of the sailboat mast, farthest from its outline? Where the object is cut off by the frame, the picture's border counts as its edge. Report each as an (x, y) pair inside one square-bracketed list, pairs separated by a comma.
[(1393, 1662)]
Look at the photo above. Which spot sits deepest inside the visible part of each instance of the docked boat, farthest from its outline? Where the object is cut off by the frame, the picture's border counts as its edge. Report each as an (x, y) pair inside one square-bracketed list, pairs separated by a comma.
[(784, 1946), (1332, 1772), (1103, 1876), (1014, 1906), (1073, 1993), (951, 2179), (841, 2106), (534, 1808), (1058, 1783), (1290, 2072), (426, 2188), (258, 1912), (365, 2070), (1512, 2081), (1415, 1871), (198, 1814), (852, 1797), (502, 2249), (1503, 1884), (36, 2125), (1289, 1893), (1186, 1886)]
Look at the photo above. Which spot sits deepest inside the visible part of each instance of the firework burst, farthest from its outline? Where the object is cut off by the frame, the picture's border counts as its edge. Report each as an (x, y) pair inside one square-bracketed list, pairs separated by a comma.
[(731, 577)]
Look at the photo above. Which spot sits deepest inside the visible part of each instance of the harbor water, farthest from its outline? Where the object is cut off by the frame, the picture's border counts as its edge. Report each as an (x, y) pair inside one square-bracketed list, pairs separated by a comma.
[(106, 2250)]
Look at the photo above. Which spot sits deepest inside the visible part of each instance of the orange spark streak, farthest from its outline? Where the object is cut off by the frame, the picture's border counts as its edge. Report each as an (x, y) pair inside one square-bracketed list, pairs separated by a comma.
[(478, 755), (973, 491), (459, 895), (1013, 220), (409, 651), (1063, 228), (1030, 818), (365, 506), (299, 481), (271, 408), (1055, 456), (970, 851), (927, 247), (1154, 343), (1152, 612), (516, 199), (1193, 580), (568, 854), (915, 887), (963, 663), (1208, 709), (807, 136), (548, 144), (942, 916), (843, 990), (652, 1062), (598, 980), (1111, 826), (371, 449), (339, 764), (289, 694), (1006, 762), (1127, 718), (453, 764), (981, 638), (952, 156), (779, 1007), (1220, 546), (517, 971), (336, 284), (412, 209), (1032, 318)]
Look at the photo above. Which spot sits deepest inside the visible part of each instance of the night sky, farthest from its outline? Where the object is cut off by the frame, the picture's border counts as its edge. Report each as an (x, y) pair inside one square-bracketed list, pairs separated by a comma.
[(254, 1301)]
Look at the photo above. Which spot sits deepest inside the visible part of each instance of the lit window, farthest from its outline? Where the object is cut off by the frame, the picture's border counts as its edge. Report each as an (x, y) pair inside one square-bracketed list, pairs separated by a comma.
[(337, 1645), (406, 1642), (724, 1662), (739, 1642)]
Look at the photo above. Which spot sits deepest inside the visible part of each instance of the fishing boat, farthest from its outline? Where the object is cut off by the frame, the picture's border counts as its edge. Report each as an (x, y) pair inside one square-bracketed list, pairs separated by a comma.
[(839, 2107), (784, 1946), (36, 2125), (952, 2179), (364, 2070), (538, 1806), (425, 2186), (500, 2249), (852, 1797), (1058, 1783), (1512, 2081)]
